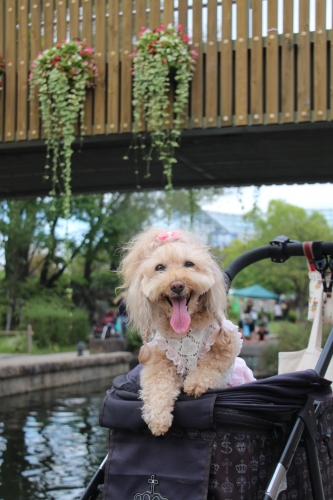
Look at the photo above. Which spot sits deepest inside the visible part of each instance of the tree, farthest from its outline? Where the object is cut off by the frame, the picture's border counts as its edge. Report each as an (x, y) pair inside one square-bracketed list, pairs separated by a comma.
[(291, 276)]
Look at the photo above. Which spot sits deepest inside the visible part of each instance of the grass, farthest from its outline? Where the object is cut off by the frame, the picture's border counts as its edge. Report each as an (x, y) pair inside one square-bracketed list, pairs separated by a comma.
[(18, 344)]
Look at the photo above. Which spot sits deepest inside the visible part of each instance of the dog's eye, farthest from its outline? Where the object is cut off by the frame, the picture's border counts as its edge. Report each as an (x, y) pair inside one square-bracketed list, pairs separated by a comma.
[(188, 263), (160, 267)]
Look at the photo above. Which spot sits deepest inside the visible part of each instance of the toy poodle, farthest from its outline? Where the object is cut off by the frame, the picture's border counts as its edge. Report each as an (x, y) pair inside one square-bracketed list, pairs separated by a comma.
[(177, 299)]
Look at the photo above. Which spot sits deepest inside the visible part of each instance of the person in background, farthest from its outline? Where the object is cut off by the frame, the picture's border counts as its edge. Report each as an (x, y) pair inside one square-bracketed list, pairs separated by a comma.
[(277, 311), (120, 302), (285, 309), (253, 315), (262, 331)]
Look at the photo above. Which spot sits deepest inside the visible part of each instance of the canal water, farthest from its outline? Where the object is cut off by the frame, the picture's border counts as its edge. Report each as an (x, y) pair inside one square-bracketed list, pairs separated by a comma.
[(51, 442)]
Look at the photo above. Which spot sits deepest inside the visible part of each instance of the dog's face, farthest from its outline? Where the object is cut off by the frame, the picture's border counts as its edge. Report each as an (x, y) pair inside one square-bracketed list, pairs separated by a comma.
[(173, 283), (175, 280)]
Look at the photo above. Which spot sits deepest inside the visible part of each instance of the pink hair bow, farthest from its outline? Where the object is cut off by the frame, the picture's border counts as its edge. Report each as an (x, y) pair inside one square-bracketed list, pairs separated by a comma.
[(169, 236)]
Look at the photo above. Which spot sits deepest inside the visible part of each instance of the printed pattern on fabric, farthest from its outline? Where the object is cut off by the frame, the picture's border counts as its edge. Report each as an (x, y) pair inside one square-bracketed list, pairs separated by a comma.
[(242, 464), (150, 495), (185, 350)]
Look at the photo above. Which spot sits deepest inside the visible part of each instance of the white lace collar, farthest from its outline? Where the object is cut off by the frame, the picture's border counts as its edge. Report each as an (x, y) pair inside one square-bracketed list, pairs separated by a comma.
[(185, 350)]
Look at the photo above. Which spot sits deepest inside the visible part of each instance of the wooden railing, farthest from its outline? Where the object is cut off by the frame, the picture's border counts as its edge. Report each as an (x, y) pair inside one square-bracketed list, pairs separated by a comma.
[(260, 61)]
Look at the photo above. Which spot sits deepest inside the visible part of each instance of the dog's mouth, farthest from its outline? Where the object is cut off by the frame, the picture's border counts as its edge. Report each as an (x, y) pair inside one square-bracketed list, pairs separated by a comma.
[(180, 320)]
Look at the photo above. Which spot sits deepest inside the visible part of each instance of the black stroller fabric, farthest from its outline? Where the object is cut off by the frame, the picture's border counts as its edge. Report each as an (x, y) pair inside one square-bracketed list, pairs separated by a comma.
[(223, 445)]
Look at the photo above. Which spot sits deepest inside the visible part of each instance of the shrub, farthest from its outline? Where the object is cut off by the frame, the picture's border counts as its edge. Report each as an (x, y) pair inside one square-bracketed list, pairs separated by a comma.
[(292, 317), (54, 324)]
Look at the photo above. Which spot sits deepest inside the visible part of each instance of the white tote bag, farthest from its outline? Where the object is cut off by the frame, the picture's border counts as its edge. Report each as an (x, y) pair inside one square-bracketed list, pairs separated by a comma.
[(315, 290), (307, 358)]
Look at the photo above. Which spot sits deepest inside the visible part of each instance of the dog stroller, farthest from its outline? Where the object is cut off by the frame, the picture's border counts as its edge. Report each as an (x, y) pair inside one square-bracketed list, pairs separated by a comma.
[(269, 439)]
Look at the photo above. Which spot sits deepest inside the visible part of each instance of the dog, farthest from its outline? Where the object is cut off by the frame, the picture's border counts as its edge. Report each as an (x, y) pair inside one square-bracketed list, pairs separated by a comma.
[(176, 297)]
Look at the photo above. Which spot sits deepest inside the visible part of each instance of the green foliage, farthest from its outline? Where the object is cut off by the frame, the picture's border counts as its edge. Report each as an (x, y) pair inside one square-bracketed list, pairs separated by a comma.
[(52, 324), (133, 336), (291, 276), (159, 55), (62, 75), (14, 344)]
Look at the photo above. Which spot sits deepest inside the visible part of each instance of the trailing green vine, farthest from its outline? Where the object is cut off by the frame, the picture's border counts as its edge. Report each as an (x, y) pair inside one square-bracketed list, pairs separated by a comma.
[(158, 57), (62, 74)]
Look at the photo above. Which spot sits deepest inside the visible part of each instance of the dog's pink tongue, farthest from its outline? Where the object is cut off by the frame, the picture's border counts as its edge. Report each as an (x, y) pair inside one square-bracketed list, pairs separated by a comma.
[(180, 320)]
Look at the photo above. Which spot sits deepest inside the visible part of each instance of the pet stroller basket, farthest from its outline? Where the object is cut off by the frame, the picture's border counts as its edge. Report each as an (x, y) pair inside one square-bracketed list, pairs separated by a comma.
[(268, 439)]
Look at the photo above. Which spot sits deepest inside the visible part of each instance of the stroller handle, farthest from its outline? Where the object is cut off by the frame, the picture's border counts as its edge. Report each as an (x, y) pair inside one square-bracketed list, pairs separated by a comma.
[(279, 250)]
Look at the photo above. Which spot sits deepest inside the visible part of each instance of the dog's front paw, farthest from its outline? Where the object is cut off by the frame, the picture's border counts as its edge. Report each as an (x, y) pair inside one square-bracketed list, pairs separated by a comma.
[(160, 424), (194, 388)]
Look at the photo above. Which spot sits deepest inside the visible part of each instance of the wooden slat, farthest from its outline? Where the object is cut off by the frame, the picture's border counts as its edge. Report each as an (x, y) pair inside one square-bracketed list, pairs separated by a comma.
[(331, 71), (182, 21), (61, 20), (226, 65), (197, 82), (22, 70), (48, 24), (2, 32), (182, 14), (241, 83), (74, 19), (287, 77), (35, 46), (10, 89), (74, 34), (211, 65), (168, 12), (99, 92), (320, 70), (126, 63), (87, 38), (303, 63), (140, 17), (113, 68), (256, 64), (272, 65), (154, 14), (140, 22)]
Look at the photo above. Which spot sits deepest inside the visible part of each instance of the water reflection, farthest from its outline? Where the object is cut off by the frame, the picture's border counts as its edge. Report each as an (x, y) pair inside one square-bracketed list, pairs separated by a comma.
[(51, 442)]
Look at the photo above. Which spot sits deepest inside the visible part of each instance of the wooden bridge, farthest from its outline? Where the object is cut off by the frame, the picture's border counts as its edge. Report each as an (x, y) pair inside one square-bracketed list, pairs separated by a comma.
[(260, 106)]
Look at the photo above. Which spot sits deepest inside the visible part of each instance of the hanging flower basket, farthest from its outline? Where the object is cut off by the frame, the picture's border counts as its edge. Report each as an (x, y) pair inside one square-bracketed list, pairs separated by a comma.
[(62, 75), (2, 70), (159, 57)]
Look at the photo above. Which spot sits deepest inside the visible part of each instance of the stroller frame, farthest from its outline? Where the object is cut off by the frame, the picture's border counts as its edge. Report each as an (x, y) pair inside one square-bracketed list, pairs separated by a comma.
[(278, 250)]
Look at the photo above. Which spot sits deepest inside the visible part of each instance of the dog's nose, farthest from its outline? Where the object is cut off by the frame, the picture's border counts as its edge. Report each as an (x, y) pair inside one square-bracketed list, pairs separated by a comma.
[(177, 287)]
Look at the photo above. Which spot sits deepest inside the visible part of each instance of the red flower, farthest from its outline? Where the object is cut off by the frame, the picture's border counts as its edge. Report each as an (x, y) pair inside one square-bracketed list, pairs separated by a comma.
[(54, 62)]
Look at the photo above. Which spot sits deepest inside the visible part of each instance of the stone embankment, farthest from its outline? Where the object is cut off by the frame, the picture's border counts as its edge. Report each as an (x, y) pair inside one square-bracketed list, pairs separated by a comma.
[(25, 373)]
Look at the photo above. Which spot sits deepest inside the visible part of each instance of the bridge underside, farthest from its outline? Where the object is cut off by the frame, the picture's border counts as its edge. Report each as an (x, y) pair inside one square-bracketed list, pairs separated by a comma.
[(238, 156)]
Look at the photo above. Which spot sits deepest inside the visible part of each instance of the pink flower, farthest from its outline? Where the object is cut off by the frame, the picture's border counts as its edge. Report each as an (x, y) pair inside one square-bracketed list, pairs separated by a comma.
[(164, 60), (180, 27), (194, 53), (186, 38), (180, 60)]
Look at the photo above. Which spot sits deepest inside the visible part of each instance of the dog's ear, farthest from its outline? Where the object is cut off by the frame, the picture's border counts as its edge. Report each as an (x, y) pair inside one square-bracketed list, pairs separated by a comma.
[(215, 298)]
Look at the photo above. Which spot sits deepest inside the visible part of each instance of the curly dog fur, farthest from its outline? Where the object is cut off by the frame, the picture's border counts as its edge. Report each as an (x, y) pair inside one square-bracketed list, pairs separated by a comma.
[(173, 284)]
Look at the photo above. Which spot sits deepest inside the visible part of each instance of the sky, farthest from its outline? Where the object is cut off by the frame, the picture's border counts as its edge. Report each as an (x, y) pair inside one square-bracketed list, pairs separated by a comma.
[(308, 196)]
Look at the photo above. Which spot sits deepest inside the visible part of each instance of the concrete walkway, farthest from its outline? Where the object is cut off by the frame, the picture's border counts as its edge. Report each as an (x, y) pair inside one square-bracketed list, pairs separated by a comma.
[(29, 372), (23, 359)]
